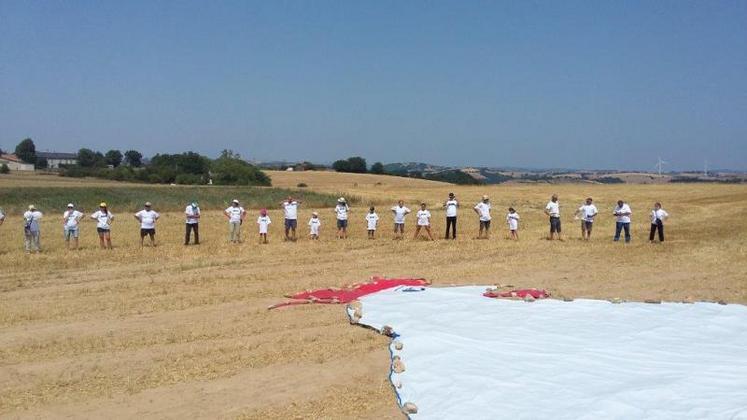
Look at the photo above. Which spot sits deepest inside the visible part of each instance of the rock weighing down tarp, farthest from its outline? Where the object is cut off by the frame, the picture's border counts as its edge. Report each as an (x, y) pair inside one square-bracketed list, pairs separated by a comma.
[(468, 356)]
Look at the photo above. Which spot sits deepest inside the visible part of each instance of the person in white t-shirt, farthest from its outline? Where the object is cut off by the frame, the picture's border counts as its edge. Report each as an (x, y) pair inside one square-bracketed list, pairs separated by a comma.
[(658, 216), (424, 222), (104, 219), (400, 212), (341, 211), (263, 221), (70, 220), (483, 211), (587, 212), (32, 229), (147, 218), (451, 205), (622, 215), (512, 219), (372, 219), (192, 213), (290, 211), (314, 224), (553, 211), (235, 215)]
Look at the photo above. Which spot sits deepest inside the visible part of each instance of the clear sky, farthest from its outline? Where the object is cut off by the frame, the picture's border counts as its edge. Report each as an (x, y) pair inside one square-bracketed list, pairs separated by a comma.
[(587, 84)]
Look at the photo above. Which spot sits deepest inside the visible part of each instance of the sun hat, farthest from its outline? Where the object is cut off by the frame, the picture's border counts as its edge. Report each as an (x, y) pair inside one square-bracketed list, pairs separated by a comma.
[(235, 201), (32, 207), (341, 200), (314, 213), (148, 204), (102, 204), (485, 197), (71, 205)]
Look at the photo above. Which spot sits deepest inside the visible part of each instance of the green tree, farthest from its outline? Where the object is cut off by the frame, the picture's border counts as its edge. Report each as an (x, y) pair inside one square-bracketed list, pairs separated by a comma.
[(4, 169), (377, 168), (355, 164), (41, 163), (87, 158), (341, 165), (228, 170), (133, 158), (26, 151), (113, 157)]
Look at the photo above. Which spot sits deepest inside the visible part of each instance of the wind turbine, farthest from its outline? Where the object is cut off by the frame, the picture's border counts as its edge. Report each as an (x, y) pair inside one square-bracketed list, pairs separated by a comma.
[(705, 168), (661, 163)]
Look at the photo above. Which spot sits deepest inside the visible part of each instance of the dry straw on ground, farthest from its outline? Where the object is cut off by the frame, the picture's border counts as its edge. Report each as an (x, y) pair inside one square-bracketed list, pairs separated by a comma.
[(183, 331)]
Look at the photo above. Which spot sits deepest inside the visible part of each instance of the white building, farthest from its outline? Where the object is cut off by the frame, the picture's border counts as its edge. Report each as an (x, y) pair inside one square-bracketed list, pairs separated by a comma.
[(15, 164), (55, 159)]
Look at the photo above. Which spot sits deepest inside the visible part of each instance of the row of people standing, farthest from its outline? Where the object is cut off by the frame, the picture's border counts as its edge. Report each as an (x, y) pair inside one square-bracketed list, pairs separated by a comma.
[(235, 214)]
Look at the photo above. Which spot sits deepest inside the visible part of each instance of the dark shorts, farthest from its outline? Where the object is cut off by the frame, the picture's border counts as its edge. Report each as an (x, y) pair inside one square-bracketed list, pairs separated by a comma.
[(586, 225), (291, 223), (555, 224), (484, 224), (148, 232), (342, 224), (102, 231)]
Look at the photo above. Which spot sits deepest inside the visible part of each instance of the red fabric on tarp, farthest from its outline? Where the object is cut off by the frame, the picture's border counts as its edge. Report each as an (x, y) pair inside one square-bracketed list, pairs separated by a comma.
[(519, 293), (350, 293)]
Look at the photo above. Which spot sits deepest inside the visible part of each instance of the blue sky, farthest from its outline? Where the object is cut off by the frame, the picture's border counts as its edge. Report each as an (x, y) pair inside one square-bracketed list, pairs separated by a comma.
[(522, 83)]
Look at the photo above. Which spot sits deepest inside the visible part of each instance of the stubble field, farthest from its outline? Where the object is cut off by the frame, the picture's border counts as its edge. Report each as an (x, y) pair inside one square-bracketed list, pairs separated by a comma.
[(175, 332)]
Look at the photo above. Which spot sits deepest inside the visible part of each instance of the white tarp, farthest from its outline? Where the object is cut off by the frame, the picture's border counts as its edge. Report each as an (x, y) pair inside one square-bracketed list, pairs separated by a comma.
[(467, 356)]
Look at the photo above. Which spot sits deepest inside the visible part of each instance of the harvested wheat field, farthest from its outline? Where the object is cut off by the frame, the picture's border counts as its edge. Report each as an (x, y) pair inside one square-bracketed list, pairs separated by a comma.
[(184, 332)]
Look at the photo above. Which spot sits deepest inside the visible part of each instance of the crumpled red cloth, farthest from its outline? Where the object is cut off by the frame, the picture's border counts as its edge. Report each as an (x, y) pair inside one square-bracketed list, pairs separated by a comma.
[(518, 293), (349, 293)]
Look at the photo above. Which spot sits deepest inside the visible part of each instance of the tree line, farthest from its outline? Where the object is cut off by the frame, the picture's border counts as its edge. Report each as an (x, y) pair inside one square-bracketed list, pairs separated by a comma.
[(188, 168)]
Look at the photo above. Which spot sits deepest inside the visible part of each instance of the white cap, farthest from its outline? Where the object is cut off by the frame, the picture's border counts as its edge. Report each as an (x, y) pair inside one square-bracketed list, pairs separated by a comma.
[(71, 205), (485, 197), (148, 204), (341, 200), (235, 201), (32, 207), (314, 213)]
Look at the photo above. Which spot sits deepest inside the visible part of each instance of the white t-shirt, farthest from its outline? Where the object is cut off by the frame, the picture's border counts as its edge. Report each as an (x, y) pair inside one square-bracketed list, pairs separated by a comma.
[(147, 218), (658, 214), (234, 214), (372, 219), (451, 208), (424, 218), (623, 209), (32, 219), (588, 211), (314, 224), (71, 218), (103, 220), (400, 213), (264, 223), (484, 210), (342, 211), (290, 210), (2, 215), (513, 221), (192, 211), (553, 208)]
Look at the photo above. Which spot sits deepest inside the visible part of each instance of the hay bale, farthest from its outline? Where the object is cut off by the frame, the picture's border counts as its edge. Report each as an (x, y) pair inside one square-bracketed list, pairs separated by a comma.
[(409, 408)]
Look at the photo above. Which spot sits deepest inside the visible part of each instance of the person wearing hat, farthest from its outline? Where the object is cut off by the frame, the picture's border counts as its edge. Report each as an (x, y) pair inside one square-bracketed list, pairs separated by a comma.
[(400, 212), (31, 229), (451, 206), (290, 211), (235, 215), (341, 211), (70, 220), (263, 221), (192, 212), (314, 224), (424, 222), (552, 210), (483, 211), (147, 218), (104, 219)]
